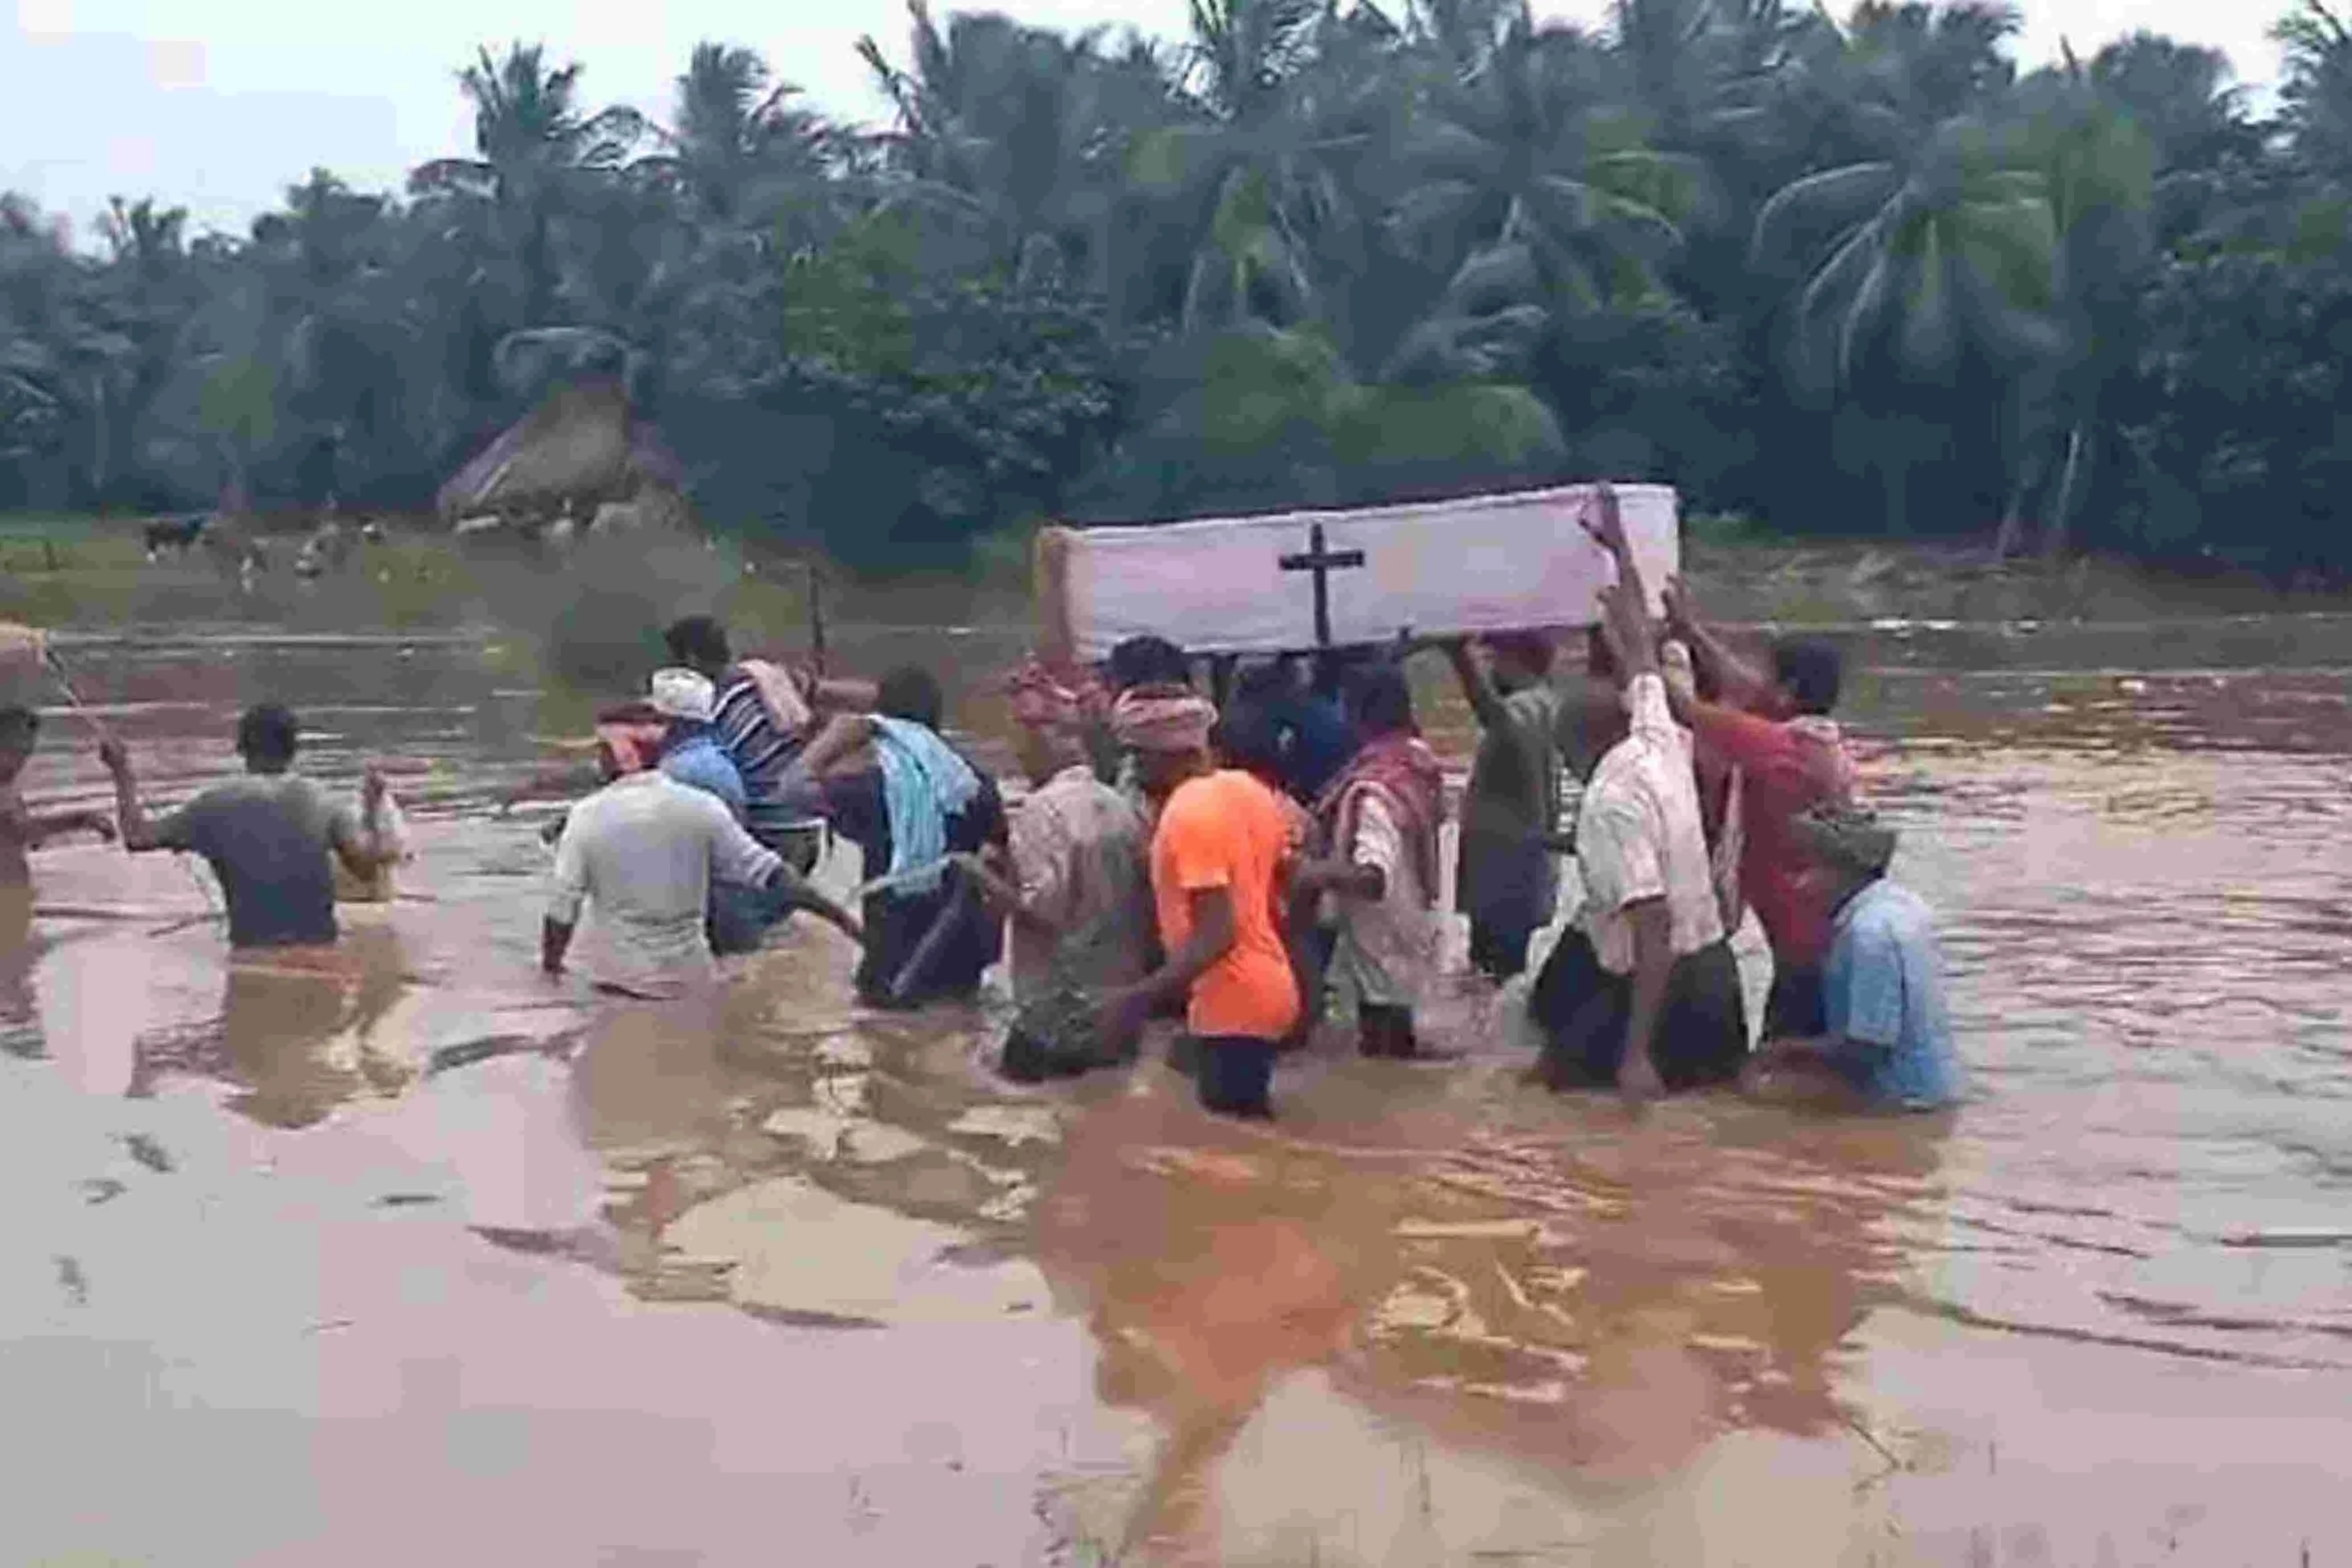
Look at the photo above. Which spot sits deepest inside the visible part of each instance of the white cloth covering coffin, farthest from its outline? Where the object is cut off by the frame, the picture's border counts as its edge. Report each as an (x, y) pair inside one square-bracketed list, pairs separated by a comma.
[(1494, 562)]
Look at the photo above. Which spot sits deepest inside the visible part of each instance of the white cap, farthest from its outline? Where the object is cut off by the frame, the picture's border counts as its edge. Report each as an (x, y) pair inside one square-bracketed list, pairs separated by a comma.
[(683, 694)]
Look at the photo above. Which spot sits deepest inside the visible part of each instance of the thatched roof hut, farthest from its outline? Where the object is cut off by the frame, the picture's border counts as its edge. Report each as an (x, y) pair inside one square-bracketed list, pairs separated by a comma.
[(583, 444)]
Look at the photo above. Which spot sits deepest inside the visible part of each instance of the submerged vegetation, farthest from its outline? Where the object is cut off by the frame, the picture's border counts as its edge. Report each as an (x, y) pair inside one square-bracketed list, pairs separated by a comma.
[(1860, 277)]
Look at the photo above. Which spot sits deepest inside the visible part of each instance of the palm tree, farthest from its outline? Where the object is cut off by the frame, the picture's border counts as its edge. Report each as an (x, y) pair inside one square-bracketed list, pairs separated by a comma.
[(2315, 87), (2181, 98), (2098, 168), (1017, 136), (1939, 247), (1461, 33), (535, 155), (60, 361), (1532, 194), (1246, 204), (741, 151), (2178, 95)]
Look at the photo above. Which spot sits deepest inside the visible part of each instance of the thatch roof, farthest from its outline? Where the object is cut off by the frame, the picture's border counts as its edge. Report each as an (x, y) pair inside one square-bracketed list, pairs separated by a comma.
[(583, 443)]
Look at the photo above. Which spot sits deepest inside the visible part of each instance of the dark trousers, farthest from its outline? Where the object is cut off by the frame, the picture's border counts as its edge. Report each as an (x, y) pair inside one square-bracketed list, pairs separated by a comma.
[(896, 925), (1033, 1057), (1233, 1073), (1385, 1031), (1498, 950), (1583, 1010), (737, 918), (1795, 1009)]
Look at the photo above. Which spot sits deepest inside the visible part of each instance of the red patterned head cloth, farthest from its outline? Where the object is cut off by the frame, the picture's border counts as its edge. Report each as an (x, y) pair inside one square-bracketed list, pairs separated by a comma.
[(1042, 701), (633, 734), (1162, 719)]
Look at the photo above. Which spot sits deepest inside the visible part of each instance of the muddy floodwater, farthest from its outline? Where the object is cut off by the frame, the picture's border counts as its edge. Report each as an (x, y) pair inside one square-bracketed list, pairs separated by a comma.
[(408, 1253)]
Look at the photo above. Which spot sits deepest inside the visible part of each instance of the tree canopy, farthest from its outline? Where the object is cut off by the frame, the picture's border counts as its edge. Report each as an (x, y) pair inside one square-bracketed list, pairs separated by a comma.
[(1860, 276)]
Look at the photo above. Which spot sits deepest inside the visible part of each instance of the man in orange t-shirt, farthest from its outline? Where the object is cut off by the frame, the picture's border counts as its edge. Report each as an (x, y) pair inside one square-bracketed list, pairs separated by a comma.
[(1219, 854)]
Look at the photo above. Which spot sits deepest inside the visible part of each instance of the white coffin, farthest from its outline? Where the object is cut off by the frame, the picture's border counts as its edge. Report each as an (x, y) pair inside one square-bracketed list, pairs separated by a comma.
[(1483, 563)]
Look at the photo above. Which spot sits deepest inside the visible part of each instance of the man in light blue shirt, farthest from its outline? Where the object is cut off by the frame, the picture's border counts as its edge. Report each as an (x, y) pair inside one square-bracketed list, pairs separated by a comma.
[(1888, 1039), (692, 754)]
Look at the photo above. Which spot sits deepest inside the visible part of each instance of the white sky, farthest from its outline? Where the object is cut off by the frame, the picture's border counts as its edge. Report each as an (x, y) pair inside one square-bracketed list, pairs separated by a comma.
[(217, 105)]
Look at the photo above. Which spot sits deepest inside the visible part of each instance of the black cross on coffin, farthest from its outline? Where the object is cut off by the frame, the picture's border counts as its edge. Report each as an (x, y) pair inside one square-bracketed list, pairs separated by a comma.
[(1322, 560)]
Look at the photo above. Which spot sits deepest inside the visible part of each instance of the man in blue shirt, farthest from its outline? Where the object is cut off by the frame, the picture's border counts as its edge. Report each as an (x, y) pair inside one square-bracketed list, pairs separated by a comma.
[(1888, 1034), (692, 754)]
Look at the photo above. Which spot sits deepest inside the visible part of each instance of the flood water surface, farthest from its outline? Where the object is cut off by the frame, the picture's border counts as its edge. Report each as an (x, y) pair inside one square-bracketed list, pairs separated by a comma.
[(408, 1249)]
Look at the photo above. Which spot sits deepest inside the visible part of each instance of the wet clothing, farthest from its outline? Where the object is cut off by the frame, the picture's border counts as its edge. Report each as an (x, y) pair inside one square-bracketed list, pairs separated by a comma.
[(1883, 996), (897, 920), (1497, 953), (738, 916), (1793, 1007), (1233, 1073), (1639, 838), (643, 851), (1384, 1031), (1787, 768), (270, 840), (1386, 949), (1053, 1041), (1583, 1010), (924, 782), (1383, 813), (697, 759), (762, 751), (1505, 879), (1228, 830), (1079, 859)]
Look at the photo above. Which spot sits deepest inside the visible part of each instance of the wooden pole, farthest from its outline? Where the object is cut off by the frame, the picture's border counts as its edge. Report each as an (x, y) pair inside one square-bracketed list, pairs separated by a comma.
[(816, 614), (943, 925), (65, 684)]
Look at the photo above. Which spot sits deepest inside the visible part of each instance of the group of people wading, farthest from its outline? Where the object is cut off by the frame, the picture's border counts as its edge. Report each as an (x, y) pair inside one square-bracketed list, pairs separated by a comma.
[(1244, 861)]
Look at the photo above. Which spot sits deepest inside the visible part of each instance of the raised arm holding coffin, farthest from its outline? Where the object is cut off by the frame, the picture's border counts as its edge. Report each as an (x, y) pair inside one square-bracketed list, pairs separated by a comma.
[(1740, 683)]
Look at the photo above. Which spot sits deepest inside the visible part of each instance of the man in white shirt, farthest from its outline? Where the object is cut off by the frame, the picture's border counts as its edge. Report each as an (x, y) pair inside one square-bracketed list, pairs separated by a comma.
[(643, 851), (1644, 992)]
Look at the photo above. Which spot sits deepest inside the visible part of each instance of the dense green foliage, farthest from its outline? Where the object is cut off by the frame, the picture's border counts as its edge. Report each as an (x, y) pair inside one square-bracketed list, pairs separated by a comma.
[(1860, 277)]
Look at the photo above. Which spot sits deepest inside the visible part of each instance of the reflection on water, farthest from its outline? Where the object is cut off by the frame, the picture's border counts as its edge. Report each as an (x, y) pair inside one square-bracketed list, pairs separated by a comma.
[(1429, 1313)]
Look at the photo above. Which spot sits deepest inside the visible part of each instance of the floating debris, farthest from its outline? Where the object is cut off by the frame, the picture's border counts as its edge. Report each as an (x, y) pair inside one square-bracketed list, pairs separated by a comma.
[(2284, 1237), (74, 1282), (879, 1143), (101, 1190), (844, 1051), (1466, 1230), (148, 1153), (1015, 1124), (820, 1131), (843, 1095)]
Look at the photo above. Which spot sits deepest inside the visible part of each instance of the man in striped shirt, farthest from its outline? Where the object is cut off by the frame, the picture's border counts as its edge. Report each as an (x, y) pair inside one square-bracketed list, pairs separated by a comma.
[(762, 724)]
